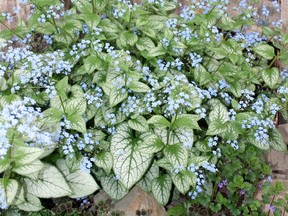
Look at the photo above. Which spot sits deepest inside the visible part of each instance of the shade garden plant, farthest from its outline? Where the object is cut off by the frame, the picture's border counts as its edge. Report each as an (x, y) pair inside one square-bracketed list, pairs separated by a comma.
[(110, 94)]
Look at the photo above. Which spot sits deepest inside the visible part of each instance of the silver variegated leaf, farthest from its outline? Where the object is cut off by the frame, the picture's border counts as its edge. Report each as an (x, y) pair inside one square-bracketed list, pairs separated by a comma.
[(129, 163), (49, 184), (161, 189), (81, 182), (113, 187)]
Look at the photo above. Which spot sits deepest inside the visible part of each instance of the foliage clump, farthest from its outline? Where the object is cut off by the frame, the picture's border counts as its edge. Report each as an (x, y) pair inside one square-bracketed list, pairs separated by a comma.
[(112, 94)]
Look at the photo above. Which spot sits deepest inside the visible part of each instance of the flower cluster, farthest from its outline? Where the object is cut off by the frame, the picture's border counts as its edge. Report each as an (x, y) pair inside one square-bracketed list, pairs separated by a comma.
[(86, 164), (23, 118), (233, 144), (213, 141), (195, 59), (261, 127), (53, 12), (223, 183), (94, 95)]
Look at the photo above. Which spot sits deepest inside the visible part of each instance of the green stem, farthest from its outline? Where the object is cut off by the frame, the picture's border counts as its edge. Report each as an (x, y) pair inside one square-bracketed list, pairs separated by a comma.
[(170, 128), (62, 104), (274, 59), (214, 191), (10, 29), (7, 173), (130, 18), (93, 7), (54, 23)]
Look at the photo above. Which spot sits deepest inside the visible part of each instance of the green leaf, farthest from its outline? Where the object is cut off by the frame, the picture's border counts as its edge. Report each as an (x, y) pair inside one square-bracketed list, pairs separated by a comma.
[(91, 63), (165, 163), (176, 154), (159, 120), (157, 51), (81, 182), (75, 106), (7, 99), (202, 146), (148, 32), (77, 123), (235, 88), (234, 58), (238, 180), (27, 202), (271, 77), (49, 184), (145, 43), (26, 155), (217, 119), (284, 57), (70, 26), (178, 210), (202, 76), (277, 142), (91, 19), (219, 113), (4, 164), (45, 28), (267, 31), (6, 34), (43, 3), (161, 189), (138, 87), (168, 6), (181, 180), (77, 93), (227, 23), (84, 6), (62, 84), (113, 187), (127, 38), (198, 160), (232, 131), (90, 111), (264, 50), (3, 85), (100, 5), (109, 27), (64, 37), (146, 182), (187, 121), (138, 124), (178, 44), (10, 189), (104, 160), (116, 97), (27, 169), (149, 143), (259, 144), (55, 103), (129, 163), (177, 135)]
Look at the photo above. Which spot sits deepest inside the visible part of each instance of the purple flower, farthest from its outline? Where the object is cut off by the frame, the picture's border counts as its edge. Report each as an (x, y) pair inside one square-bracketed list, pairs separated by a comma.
[(269, 178), (271, 208), (222, 183), (242, 192)]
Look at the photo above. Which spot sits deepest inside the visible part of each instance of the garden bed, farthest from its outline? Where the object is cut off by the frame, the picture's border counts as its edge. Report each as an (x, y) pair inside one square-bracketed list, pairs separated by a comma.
[(104, 100)]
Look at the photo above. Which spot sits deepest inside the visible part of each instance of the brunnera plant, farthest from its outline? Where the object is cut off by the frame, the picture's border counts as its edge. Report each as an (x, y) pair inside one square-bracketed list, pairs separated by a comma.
[(133, 94)]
